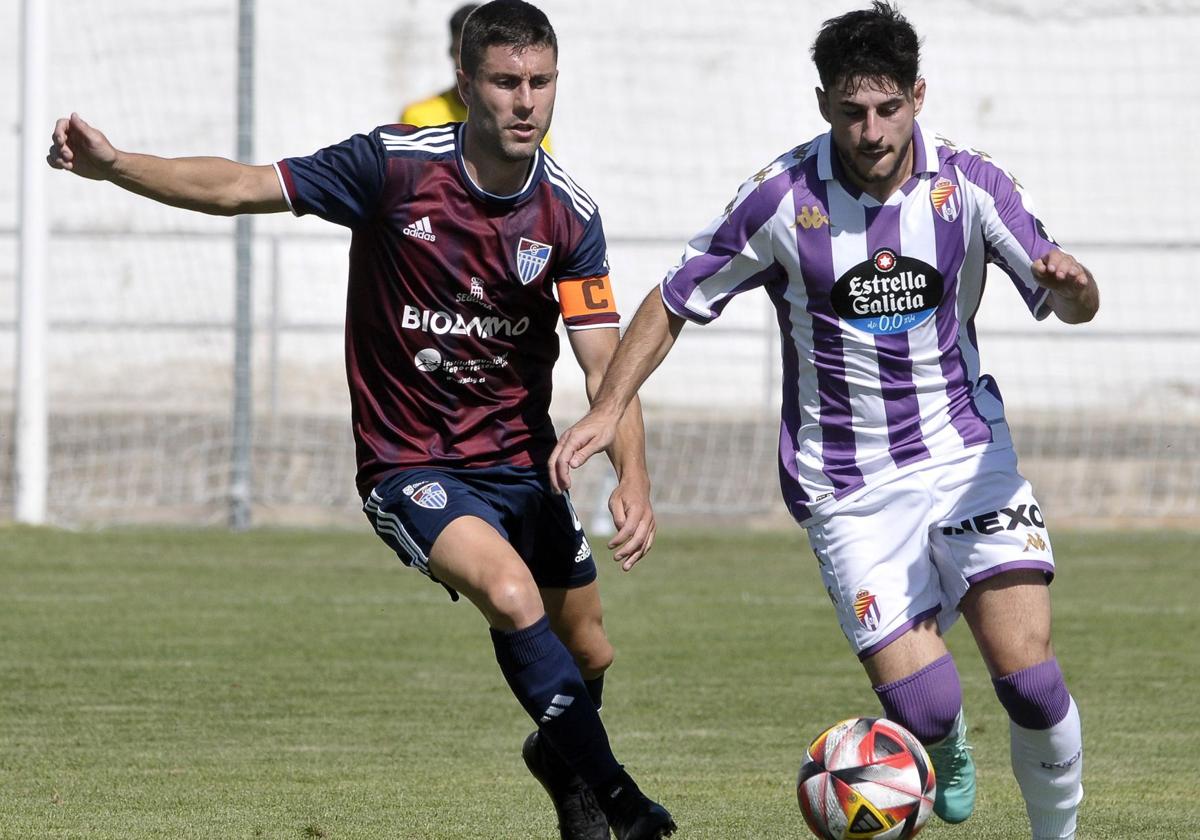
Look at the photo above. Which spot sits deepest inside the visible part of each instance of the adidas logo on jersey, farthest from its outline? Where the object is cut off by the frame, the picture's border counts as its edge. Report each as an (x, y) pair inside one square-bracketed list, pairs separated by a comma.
[(421, 229)]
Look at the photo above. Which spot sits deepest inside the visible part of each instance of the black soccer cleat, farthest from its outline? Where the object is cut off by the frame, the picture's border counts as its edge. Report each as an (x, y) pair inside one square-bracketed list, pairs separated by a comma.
[(579, 815), (632, 815)]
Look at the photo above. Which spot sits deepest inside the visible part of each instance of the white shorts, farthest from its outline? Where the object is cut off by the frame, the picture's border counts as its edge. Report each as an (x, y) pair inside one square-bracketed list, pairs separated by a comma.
[(909, 549)]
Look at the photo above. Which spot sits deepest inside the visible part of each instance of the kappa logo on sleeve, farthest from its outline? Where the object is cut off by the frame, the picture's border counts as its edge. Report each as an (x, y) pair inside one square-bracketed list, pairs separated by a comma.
[(427, 494)]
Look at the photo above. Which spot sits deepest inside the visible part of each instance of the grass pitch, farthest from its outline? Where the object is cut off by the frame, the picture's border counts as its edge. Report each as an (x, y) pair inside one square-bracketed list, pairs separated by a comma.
[(291, 685)]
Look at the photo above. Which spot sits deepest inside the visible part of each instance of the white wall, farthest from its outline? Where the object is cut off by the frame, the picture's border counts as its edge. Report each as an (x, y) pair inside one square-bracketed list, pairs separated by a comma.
[(664, 108)]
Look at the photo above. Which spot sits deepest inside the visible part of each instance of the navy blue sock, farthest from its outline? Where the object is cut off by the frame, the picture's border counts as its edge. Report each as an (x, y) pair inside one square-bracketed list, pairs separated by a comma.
[(544, 678), (595, 690)]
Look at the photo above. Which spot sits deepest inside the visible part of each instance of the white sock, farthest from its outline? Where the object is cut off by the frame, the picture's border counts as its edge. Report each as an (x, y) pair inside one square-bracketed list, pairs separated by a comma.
[(1048, 764)]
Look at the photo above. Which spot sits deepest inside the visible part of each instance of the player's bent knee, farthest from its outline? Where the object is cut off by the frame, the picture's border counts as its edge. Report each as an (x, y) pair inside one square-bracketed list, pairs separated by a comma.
[(590, 648), (512, 602), (1035, 697), (595, 658)]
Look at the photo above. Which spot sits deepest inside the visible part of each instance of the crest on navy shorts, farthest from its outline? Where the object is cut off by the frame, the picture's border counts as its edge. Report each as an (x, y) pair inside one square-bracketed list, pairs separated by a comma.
[(866, 609), (430, 495), (532, 257), (946, 202), (889, 293)]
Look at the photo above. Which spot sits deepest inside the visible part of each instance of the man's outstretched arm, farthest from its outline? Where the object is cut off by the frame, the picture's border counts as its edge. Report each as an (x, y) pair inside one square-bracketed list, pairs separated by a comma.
[(206, 184), (1074, 296), (649, 338)]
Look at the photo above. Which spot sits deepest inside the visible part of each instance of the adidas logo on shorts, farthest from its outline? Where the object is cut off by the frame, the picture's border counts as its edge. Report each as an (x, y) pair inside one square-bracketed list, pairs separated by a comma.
[(585, 551), (421, 229)]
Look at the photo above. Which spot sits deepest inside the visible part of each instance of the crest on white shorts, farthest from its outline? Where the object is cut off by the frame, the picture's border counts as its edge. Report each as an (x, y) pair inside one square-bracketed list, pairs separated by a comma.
[(866, 609), (430, 495), (532, 257)]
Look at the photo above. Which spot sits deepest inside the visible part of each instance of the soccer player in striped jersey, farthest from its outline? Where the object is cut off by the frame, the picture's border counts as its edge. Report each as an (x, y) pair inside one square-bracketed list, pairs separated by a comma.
[(469, 243), (872, 242)]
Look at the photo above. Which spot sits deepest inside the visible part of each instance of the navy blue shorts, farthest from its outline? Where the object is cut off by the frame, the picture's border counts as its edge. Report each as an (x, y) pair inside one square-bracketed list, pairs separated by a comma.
[(410, 509)]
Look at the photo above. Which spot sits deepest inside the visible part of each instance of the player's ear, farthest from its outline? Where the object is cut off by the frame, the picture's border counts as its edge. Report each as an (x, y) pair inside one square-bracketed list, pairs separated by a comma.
[(918, 96), (823, 103), (464, 85)]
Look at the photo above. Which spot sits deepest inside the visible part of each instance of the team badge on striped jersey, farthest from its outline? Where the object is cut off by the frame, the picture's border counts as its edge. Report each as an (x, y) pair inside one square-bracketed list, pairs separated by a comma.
[(944, 196), (532, 257), (866, 609), (429, 495)]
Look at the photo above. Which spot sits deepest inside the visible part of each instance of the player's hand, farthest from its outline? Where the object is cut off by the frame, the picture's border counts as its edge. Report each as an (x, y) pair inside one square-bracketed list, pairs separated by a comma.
[(594, 433), (79, 148), (634, 518), (1062, 274)]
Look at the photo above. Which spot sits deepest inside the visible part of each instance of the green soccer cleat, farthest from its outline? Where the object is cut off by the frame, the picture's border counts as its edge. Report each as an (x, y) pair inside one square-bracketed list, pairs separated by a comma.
[(955, 772)]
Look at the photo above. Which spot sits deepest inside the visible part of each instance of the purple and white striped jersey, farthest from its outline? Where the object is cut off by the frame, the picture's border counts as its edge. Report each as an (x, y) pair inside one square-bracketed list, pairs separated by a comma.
[(876, 305)]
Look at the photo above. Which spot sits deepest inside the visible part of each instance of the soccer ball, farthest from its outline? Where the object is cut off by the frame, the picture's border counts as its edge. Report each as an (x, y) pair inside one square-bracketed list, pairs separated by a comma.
[(866, 779)]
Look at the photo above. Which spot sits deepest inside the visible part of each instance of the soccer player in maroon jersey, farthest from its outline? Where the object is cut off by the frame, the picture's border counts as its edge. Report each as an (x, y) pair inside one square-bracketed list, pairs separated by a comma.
[(468, 244)]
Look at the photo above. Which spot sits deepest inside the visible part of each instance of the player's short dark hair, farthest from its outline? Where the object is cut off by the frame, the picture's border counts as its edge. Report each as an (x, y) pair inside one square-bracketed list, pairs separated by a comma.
[(875, 43), (507, 23), (460, 17)]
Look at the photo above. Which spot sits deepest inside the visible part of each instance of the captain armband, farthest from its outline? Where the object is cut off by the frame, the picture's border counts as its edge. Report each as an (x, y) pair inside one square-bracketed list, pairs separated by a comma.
[(587, 302)]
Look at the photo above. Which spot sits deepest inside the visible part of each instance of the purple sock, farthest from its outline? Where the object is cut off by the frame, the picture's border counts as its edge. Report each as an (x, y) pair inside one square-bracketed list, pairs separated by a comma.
[(926, 702), (1035, 698)]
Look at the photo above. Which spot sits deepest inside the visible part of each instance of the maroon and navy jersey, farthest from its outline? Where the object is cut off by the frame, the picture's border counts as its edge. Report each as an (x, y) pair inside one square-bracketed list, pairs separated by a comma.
[(454, 296)]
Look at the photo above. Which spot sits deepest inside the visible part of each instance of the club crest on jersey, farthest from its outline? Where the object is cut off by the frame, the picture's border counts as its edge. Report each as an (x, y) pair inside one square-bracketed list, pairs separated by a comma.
[(944, 196), (532, 257), (866, 609), (428, 494), (889, 293)]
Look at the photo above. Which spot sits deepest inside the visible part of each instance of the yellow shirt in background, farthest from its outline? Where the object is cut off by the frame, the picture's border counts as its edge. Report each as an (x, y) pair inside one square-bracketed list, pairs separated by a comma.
[(443, 108)]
